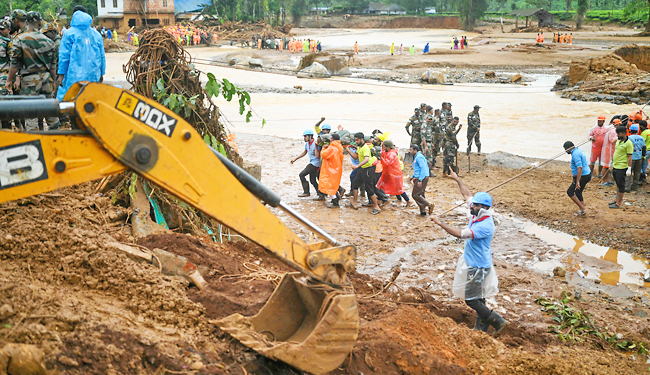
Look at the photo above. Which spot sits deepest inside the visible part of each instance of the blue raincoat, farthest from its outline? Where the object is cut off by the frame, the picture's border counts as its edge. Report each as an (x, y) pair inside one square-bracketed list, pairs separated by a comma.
[(81, 55)]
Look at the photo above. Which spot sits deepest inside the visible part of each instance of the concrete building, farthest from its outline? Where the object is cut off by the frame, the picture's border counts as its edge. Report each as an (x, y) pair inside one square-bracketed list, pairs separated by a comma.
[(124, 14)]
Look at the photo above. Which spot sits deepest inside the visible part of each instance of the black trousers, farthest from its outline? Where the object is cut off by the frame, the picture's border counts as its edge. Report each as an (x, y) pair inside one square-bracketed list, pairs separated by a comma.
[(482, 311), (578, 192), (365, 177), (311, 171)]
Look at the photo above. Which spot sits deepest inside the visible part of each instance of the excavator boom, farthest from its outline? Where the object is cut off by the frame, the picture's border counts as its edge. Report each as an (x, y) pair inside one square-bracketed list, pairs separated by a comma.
[(309, 321)]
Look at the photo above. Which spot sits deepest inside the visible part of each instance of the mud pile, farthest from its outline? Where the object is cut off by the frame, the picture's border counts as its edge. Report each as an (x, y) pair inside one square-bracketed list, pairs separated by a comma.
[(606, 79), (245, 33), (112, 46)]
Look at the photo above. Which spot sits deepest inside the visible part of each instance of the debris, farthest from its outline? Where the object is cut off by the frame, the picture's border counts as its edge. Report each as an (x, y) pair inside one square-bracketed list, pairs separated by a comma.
[(196, 366), (255, 63), (68, 361), (6, 311), (559, 271), (490, 74), (646, 275), (434, 76)]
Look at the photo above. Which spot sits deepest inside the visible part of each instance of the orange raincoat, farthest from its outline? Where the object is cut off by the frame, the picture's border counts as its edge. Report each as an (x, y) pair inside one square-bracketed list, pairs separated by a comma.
[(331, 169), (391, 181)]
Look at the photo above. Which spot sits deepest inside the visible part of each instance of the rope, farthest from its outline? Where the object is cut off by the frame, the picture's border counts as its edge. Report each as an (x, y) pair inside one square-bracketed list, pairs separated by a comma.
[(487, 191)]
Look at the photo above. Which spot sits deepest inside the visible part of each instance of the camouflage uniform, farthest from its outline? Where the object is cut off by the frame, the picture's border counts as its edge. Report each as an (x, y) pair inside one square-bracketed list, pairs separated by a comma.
[(473, 131), (438, 135), (427, 136), (450, 149), (4, 69), (32, 53), (416, 133)]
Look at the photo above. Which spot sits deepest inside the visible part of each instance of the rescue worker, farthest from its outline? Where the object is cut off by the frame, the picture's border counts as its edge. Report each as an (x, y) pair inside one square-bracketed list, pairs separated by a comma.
[(32, 58), (451, 147), (331, 168), (474, 130), (416, 125), (311, 169), (356, 48), (427, 137), (419, 179), (437, 135), (581, 176), (50, 31), (392, 49), (391, 180), (597, 136), (365, 176), (5, 59), (475, 278), (18, 22), (446, 110), (81, 55)]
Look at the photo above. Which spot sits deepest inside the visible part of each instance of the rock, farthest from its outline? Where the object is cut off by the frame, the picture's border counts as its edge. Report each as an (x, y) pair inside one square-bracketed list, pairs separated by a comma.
[(336, 67), (490, 74), (22, 359), (6, 311), (505, 160), (641, 314), (256, 63), (646, 276), (315, 70), (232, 62), (434, 76), (67, 361), (559, 271), (196, 366), (516, 78), (597, 281), (253, 169)]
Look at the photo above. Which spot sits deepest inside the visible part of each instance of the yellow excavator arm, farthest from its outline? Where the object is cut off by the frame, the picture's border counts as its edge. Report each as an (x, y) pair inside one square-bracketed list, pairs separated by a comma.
[(309, 321)]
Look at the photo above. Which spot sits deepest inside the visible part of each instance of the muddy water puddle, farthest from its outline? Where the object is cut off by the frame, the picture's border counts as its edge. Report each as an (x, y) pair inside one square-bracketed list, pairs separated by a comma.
[(517, 242)]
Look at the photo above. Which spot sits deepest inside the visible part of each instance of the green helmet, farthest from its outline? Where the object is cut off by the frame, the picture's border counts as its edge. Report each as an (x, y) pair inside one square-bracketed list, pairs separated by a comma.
[(18, 14), (48, 26), (5, 24), (33, 15)]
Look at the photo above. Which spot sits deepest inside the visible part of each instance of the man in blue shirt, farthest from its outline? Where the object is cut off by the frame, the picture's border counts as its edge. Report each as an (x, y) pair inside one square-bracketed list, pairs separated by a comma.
[(581, 175), (477, 257), (420, 179), (638, 155), (313, 167)]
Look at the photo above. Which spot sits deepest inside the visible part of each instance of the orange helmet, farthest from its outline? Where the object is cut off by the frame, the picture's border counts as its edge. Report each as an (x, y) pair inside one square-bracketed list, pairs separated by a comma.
[(617, 122), (602, 117), (636, 116)]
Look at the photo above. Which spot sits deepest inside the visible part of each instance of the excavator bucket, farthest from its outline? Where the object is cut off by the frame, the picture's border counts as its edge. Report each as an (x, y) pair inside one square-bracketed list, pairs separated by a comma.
[(311, 327)]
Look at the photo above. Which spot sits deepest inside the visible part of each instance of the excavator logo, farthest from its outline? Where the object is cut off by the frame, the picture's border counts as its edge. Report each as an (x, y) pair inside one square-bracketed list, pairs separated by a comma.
[(150, 116), (21, 164)]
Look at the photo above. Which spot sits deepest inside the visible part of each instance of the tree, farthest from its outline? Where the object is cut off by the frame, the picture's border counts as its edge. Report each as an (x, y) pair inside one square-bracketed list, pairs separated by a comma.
[(639, 7), (583, 5), (568, 5), (470, 11)]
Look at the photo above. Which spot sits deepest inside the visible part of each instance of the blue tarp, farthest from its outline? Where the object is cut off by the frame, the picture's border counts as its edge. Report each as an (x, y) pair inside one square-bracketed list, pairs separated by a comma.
[(182, 6)]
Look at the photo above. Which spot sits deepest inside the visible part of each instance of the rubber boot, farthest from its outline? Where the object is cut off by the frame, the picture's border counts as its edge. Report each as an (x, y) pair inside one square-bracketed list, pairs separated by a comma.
[(481, 325), (479, 150), (496, 321)]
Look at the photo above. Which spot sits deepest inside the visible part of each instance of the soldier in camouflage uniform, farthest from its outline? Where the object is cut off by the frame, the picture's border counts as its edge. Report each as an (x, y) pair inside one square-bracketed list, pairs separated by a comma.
[(5, 27), (50, 31), (451, 147), (438, 134), (446, 112), (473, 130), (32, 57), (18, 22), (416, 124), (427, 137)]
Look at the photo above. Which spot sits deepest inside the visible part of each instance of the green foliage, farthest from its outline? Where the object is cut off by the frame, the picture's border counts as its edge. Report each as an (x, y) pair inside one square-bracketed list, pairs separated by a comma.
[(576, 325), (130, 187), (470, 11), (48, 8)]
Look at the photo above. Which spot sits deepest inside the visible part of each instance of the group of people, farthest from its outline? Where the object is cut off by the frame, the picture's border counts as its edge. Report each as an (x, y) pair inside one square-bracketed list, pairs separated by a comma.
[(563, 38), (620, 148), (190, 35), (400, 49), (290, 44), (462, 42), (436, 130), (37, 59)]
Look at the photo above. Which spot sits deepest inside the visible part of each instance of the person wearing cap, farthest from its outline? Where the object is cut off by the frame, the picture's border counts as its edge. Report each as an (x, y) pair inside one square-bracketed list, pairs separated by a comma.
[(446, 111), (366, 175), (420, 179), (81, 55), (32, 58), (637, 155), (50, 31), (645, 134), (415, 132), (475, 278), (5, 59), (621, 164), (609, 145), (427, 138), (331, 168), (311, 169), (18, 22), (597, 135), (450, 146), (474, 130), (581, 173), (438, 134), (391, 180)]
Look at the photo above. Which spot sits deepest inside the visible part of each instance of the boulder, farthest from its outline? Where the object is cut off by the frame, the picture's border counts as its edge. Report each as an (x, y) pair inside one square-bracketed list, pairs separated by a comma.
[(253, 169), (256, 63), (336, 67), (505, 160), (315, 70), (434, 76), (22, 359), (516, 78), (490, 74)]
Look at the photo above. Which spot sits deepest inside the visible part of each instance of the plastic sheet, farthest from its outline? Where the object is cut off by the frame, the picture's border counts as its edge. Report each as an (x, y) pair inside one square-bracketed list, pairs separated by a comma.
[(474, 283)]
